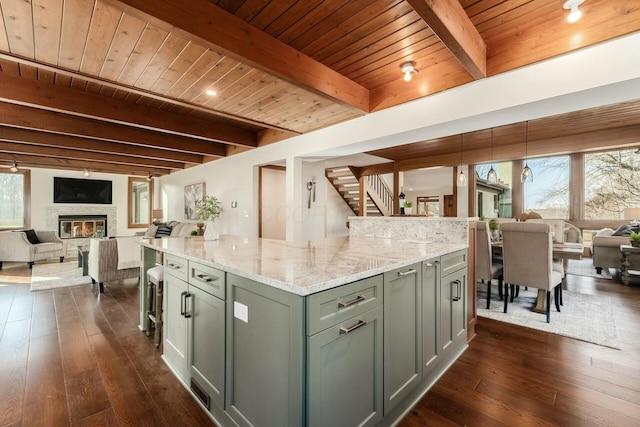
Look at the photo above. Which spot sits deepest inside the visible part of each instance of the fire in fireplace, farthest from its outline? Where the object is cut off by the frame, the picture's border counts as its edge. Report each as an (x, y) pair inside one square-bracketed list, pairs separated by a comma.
[(76, 226)]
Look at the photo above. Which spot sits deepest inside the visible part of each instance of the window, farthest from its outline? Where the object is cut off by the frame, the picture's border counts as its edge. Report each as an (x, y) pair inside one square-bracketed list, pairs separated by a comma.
[(494, 200), (548, 194), (611, 183), (14, 199), (429, 205)]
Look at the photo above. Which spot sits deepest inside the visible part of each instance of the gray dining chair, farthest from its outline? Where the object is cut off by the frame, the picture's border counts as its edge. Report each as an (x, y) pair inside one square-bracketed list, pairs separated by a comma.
[(528, 260), (487, 267)]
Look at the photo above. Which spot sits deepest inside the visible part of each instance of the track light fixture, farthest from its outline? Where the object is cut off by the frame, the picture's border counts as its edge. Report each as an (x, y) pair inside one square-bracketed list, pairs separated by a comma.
[(408, 68), (575, 13), (14, 167)]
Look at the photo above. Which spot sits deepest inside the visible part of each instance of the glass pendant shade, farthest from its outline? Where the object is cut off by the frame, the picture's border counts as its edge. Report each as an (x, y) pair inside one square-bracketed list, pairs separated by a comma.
[(527, 174), (492, 176), (462, 179)]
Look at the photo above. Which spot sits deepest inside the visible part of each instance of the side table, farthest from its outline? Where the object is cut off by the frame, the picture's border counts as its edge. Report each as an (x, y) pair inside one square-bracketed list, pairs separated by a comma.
[(625, 272)]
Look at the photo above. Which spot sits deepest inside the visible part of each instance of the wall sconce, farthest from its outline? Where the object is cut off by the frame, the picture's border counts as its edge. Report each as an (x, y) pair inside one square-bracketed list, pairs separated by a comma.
[(575, 13), (86, 173), (408, 68), (149, 177), (14, 167)]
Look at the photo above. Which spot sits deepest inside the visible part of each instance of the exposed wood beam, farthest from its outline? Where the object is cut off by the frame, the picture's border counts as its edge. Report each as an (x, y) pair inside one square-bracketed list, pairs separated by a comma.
[(450, 23), (223, 32), (32, 118), (25, 160), (34, 93), (74, 143), (87, 156)]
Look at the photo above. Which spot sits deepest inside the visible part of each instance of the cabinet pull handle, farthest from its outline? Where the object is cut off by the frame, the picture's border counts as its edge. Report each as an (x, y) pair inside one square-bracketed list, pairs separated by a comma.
[(356, 300), (183, 303), (407, 273), (174, 266), (187, 314), (360, 323), (457, 296), (206, 278)]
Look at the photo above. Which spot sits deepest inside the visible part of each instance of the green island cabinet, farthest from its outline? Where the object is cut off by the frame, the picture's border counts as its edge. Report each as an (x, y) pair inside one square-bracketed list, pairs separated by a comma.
[(194, 328), (359, 354)]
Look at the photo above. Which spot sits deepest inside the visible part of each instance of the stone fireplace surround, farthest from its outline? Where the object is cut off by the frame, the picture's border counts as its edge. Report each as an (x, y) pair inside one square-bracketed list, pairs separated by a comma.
[(51, 221)]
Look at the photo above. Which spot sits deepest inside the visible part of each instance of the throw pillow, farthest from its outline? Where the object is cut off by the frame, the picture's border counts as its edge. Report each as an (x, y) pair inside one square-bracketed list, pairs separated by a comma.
[(32, 237), (623, 230), (163, 231), (151, 231)]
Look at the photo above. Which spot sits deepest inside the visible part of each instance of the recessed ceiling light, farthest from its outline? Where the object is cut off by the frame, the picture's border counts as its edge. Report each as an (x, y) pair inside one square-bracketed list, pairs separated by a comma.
[(211, 92)]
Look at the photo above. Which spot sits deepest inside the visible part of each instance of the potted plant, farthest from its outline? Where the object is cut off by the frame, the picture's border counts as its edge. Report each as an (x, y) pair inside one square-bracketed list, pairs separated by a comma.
[(635, 239), (493, 227), (407, 207), (209, 209)]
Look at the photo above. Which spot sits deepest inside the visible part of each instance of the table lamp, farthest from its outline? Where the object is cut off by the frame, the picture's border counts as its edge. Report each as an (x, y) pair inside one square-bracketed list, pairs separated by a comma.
[(157, 215)]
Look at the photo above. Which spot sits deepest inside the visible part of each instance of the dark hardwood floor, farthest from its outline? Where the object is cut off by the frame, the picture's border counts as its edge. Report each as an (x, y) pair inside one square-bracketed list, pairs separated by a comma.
[(71, 356)]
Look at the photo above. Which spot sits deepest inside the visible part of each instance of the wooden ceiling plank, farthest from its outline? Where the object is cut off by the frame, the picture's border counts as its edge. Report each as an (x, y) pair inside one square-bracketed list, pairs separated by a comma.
[(46, 76), (181, 64), (31, 118), (364, 28), (60, 99), (297, 12), (18, 21), (249, 88), (47, 26), (164, 57), (62, 80), (452, 25), (249, 9), (46, 139), (87, 156), (150, 41), (127, 35), (78, 84), (260, 99), (218, 76), (340, 11), (28, 71), (223, 32), (76, 19), (102, 30), (4, 42), (193, 79)]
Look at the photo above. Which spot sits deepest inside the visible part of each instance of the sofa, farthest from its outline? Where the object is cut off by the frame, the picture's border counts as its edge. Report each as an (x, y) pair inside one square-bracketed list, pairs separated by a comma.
[(30, 246), (606, 249)]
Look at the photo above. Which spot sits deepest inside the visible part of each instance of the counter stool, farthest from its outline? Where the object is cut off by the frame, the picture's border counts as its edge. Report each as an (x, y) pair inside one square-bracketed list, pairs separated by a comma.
[(155, 281)]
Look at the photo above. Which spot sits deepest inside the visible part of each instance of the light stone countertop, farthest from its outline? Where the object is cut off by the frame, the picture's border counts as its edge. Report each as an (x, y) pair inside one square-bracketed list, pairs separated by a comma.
[(303, 267)]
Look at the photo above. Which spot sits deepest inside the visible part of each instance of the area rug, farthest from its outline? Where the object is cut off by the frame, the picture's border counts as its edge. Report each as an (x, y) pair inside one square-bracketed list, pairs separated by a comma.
[(584, 267), (584, 317), (57, 275)]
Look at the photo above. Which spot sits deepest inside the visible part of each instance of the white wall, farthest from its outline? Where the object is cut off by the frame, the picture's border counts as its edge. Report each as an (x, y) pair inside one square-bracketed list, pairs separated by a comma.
[(42, 196)]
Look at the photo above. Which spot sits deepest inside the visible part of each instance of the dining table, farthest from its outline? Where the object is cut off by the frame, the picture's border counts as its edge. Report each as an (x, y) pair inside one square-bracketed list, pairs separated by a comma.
[(561, 251)]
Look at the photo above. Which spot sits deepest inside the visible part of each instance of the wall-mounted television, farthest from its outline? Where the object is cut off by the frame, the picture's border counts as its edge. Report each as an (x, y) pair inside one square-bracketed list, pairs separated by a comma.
[(89, 191)]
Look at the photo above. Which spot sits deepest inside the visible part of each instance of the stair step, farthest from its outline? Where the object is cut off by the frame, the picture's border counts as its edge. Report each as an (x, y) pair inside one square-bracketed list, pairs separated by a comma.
[(345, 180), (334, 174)]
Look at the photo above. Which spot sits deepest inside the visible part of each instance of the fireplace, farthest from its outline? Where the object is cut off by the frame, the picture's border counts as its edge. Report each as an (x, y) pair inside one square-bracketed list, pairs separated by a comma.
[(75, 226)]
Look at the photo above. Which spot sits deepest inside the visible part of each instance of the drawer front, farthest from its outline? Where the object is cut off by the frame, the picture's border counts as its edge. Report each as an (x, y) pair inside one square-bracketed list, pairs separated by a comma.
[(209, 279), (176, 267), (328, 308), (453, 262)]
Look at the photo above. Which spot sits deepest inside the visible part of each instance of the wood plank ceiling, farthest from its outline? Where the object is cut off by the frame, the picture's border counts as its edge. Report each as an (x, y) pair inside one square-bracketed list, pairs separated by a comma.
[(120, 85)]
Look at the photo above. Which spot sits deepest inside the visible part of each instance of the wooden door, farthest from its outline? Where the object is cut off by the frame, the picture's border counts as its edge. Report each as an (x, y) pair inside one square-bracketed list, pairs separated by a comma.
[(449, 205)]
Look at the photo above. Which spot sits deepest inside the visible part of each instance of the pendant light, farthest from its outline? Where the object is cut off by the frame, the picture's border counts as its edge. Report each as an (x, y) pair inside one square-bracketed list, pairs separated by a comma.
[(527, 173), (492, 176), (462, 178)]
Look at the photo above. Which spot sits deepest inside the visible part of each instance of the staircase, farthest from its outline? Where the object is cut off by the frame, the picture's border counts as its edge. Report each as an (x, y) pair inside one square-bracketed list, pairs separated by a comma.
[(378, 199)]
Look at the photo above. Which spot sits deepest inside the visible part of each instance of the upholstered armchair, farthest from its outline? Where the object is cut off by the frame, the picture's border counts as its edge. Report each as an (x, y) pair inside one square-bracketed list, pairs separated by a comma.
[(15, 246), (486, 267), (528, 260), (103, 263)]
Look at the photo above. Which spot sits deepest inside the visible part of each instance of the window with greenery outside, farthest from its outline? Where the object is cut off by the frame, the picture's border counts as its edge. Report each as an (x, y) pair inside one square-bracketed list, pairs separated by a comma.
[(11, 200)]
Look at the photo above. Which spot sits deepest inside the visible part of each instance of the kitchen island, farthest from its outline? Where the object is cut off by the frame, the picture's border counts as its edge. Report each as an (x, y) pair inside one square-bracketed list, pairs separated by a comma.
[(340, 331)]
